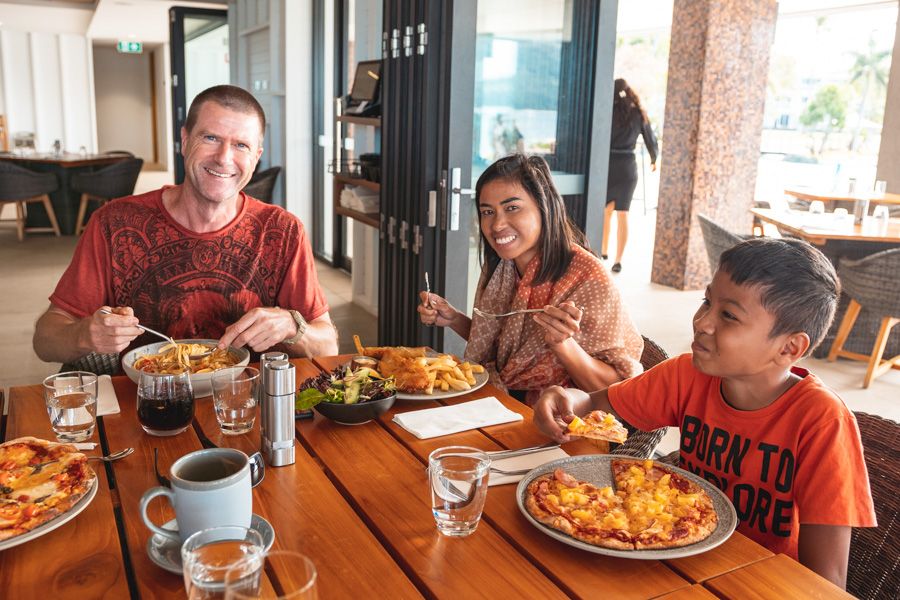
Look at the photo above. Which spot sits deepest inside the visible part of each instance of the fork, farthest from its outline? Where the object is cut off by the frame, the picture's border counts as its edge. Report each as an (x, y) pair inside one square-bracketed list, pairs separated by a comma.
[(147, 329), (488, 315), (516, 472)]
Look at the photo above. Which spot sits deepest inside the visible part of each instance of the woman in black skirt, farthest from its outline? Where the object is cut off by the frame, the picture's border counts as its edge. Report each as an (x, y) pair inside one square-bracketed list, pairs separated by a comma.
[(628, 121)]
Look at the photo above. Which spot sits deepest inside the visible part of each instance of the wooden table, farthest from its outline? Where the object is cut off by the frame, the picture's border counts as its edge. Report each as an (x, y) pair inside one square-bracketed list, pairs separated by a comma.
[(843, 199), (356, 501), (65, 200), (839, 239)]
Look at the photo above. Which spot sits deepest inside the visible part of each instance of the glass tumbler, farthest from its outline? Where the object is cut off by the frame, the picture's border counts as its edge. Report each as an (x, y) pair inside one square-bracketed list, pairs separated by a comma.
[(235, 393), (207, 555), (165, 402), (296, 577), (71, 400), (459, 480)]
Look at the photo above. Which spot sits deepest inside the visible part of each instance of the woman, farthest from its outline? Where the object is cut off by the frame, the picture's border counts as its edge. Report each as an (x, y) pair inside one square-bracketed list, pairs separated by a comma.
[(628, 121), (534, 257)]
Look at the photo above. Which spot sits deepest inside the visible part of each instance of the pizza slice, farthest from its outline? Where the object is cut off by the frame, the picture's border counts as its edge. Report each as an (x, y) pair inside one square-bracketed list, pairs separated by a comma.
[(598, 425)]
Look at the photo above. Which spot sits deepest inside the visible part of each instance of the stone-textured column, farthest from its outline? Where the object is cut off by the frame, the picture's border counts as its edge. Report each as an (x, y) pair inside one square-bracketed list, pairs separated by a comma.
[(718, 69), (889, 152)]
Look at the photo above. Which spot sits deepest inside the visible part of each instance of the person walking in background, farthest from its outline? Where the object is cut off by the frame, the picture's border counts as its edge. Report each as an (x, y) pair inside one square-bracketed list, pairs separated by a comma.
[(628, 121)]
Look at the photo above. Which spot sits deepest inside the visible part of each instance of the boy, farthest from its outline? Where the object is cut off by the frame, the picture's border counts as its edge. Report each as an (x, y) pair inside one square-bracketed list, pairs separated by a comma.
[(782, 446)]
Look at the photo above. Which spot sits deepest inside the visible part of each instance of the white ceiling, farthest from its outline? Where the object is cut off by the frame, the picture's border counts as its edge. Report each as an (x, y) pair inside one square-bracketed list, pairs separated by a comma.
[(144, 21)]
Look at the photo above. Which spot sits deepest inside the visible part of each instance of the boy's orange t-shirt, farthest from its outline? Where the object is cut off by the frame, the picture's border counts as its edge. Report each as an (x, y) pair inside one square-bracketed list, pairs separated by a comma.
[(797, 461)]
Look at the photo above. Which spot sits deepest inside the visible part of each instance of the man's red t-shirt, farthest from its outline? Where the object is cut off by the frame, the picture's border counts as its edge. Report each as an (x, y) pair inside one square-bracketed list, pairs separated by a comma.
[(797, 461), (187, 284)]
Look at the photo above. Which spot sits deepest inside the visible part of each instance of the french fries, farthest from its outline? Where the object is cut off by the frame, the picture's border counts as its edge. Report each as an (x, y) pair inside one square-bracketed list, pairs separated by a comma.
[(416, 372)]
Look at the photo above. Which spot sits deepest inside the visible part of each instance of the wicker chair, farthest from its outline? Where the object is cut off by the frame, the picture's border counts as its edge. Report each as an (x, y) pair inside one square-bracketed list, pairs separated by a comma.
[(23, 186), (101, 364), (874, 566), (717, 240), (104, 184), (871, 282), (641, 444), (262, 184)]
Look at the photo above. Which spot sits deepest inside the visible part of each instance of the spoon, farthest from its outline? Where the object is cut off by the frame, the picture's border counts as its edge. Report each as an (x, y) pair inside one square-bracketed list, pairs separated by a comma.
[(114, 456)]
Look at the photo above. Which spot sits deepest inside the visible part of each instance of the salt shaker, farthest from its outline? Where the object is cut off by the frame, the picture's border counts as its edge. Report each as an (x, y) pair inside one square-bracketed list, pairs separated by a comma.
[(277, 412)]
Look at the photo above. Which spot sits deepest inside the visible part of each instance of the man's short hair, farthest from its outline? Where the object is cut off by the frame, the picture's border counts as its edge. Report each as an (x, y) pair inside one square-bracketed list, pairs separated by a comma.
[(231, 97), (798, 285)]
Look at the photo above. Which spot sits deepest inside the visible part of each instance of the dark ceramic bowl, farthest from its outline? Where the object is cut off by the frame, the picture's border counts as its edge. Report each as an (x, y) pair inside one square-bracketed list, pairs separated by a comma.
[(355, 414)]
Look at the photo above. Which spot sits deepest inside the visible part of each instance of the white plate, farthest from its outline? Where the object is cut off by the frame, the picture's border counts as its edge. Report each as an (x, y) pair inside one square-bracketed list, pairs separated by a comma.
[(480, 380), (54, 523), (596, 469), (201, 382)]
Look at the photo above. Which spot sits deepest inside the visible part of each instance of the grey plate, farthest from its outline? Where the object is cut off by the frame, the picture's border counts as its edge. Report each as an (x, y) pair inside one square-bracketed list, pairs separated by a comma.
[(480, 380), (166, 552), (596, 469), (54, 523)]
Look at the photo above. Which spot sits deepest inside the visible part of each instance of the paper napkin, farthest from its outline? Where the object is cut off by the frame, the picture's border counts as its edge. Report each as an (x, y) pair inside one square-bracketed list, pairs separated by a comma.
[(526, 461), (107, 403), (434, 422)]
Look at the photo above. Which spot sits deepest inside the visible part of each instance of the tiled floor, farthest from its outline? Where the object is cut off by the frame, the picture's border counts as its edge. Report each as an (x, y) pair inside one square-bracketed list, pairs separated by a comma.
[(30, 271)]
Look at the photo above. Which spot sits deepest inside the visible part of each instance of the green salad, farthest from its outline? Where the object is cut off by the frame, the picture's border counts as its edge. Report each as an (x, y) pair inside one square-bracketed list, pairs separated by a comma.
[(344, 386)]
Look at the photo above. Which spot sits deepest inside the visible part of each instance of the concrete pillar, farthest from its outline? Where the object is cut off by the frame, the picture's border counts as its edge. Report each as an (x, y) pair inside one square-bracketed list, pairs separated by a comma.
[(889, 152), (718, 68)]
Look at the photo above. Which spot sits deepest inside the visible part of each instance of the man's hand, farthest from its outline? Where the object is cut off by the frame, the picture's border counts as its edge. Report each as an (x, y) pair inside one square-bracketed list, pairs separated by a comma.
[(559, 322), (108, 333), (260, 329), (434, 310), (556, 408)]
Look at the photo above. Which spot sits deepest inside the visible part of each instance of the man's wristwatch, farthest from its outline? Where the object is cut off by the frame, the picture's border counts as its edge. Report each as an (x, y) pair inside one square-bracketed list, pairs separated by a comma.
[(301, 328)]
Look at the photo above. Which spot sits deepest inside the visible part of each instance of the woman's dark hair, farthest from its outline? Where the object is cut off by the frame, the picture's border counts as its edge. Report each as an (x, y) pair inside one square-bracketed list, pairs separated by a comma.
[(796, 283), (625, 103), (558, 232)]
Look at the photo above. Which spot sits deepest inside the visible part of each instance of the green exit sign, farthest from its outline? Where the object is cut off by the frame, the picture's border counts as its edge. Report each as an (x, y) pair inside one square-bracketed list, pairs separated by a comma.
[(130, 47)]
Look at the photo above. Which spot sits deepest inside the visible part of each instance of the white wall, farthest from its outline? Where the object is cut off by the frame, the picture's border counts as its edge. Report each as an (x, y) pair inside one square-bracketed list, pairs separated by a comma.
[(123, 94), (161, 78)]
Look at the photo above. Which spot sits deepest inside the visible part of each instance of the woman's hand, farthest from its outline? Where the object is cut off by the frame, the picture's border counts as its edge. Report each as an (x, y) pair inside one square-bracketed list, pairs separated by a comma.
[(559, 322), (434, 310)]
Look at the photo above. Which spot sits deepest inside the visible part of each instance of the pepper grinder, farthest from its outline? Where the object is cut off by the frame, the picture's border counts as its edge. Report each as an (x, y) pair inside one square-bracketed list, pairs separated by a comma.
[(277, 412)]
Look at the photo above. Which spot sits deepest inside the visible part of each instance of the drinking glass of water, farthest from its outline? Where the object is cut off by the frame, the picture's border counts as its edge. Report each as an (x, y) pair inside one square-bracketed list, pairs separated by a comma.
[(235, 393), (816, 207), (71, 400), (459, 480), (165, 402), (295, 577), (207, 555)]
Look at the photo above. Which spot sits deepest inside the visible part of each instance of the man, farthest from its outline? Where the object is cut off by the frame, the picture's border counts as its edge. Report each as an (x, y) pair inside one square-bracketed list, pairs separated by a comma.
[(196, 260)]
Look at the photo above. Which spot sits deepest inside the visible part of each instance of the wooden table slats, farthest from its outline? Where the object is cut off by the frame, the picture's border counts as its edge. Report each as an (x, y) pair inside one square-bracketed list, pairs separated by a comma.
[(774, 578)]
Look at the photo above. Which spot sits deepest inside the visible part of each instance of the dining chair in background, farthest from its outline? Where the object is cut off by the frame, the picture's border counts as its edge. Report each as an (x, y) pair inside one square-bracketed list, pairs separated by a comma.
[(872, 283), (115, 181), (717, 240), (641, 444), (262, 184), (23, 186), (95, 362), (873, 570)]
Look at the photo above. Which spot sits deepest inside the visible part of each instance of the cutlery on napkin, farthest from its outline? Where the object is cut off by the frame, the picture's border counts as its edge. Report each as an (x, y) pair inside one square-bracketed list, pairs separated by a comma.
[(444, 420), (523, 461), (107, 402)]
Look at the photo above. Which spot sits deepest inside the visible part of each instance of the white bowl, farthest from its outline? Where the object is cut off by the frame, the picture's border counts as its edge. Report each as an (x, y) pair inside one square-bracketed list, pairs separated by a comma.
[(201, 382)]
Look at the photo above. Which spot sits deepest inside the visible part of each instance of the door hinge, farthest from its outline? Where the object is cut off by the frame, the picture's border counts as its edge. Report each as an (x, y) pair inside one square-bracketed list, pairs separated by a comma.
[(381, 227), (384, 44), (404, 229), (395, 43), (432, 208), (392, 223), (175, 80), (407, 41), (423, 39), (417, 239)]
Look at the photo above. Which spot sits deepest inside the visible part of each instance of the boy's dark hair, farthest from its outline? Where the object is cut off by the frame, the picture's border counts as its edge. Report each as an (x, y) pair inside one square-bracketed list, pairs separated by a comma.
[(231, 97), (558, 232), (798, 285)]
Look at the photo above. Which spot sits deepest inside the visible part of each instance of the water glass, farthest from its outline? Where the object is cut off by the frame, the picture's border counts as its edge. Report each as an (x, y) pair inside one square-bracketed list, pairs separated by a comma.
[(71, 400), (236, 398), (881, 212), (880, 188), (207, 555), (296, 577), (459, 480), (816, 207), (165, 402)]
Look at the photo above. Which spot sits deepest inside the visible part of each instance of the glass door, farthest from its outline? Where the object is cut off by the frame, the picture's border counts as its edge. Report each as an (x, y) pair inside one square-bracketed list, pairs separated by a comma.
[(199, 49)]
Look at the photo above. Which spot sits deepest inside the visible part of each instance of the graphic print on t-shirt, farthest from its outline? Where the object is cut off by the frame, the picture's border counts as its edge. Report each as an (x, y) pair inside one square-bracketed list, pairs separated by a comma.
[(721, 457)]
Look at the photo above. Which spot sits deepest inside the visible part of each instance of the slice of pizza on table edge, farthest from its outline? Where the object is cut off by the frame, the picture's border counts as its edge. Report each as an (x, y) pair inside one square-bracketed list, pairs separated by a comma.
[(39, 481), (651, 507)]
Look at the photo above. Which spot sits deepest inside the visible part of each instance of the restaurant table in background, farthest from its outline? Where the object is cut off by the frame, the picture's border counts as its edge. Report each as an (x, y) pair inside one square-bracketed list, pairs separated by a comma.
[(356, 501), (65, 201), (838, 237), (843, 200)]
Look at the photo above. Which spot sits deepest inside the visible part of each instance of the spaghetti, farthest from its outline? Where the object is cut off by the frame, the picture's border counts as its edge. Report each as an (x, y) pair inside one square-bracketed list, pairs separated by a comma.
[(175, 359)]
